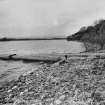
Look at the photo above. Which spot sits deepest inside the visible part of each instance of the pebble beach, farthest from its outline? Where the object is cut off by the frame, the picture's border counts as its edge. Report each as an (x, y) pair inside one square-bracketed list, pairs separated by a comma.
[(77, 80)]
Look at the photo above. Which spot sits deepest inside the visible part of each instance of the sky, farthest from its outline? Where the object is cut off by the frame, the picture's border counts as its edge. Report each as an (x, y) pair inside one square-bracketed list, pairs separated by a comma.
[(47, 18)]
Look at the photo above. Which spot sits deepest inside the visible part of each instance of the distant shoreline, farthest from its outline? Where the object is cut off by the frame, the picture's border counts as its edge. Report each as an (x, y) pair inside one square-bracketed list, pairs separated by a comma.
[(28, 39)]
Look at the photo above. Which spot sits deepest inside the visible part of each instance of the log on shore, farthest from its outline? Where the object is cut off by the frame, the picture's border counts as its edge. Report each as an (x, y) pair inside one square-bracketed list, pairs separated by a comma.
[(30, 58)]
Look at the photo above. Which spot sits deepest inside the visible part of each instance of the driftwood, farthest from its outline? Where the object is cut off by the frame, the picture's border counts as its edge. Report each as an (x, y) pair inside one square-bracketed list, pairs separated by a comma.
[(30, 58)]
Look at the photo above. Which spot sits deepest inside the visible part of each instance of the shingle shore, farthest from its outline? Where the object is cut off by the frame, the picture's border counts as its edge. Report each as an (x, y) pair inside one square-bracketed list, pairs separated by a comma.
[(79, 80)]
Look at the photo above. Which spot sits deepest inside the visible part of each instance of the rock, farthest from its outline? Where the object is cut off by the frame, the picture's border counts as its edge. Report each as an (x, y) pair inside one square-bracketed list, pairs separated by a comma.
[(57, 102), (14, 87)]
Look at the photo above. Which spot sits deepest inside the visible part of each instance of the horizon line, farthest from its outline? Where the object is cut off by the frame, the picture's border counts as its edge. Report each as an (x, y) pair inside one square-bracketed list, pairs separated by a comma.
[(19, 39)]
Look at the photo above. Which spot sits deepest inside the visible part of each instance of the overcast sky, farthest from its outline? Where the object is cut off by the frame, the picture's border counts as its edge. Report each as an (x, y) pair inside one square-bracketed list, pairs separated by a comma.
[(37, 18)]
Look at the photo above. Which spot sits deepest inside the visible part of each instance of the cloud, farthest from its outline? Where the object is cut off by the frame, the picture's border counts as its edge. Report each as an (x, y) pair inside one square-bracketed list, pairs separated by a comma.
[(34, 18)]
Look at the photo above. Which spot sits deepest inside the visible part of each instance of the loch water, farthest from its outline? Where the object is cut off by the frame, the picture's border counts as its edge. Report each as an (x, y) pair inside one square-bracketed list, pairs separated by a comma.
[(40, 47), (12, 69)]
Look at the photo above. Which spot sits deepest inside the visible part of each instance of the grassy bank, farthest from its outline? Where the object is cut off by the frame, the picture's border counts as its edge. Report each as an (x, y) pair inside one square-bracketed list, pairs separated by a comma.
[(79, 80)]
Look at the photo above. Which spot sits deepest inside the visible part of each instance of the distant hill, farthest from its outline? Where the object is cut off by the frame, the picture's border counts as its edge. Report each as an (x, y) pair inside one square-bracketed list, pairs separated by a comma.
[(96, 30), (26, 39), (94, 34)]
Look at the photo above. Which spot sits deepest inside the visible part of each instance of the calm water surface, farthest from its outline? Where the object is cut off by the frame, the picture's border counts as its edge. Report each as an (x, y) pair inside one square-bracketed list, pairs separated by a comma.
[(40, 47), (12, 69)]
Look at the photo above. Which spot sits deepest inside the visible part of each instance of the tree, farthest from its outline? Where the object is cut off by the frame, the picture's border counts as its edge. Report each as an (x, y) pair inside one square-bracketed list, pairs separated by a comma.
[(82, 29)]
